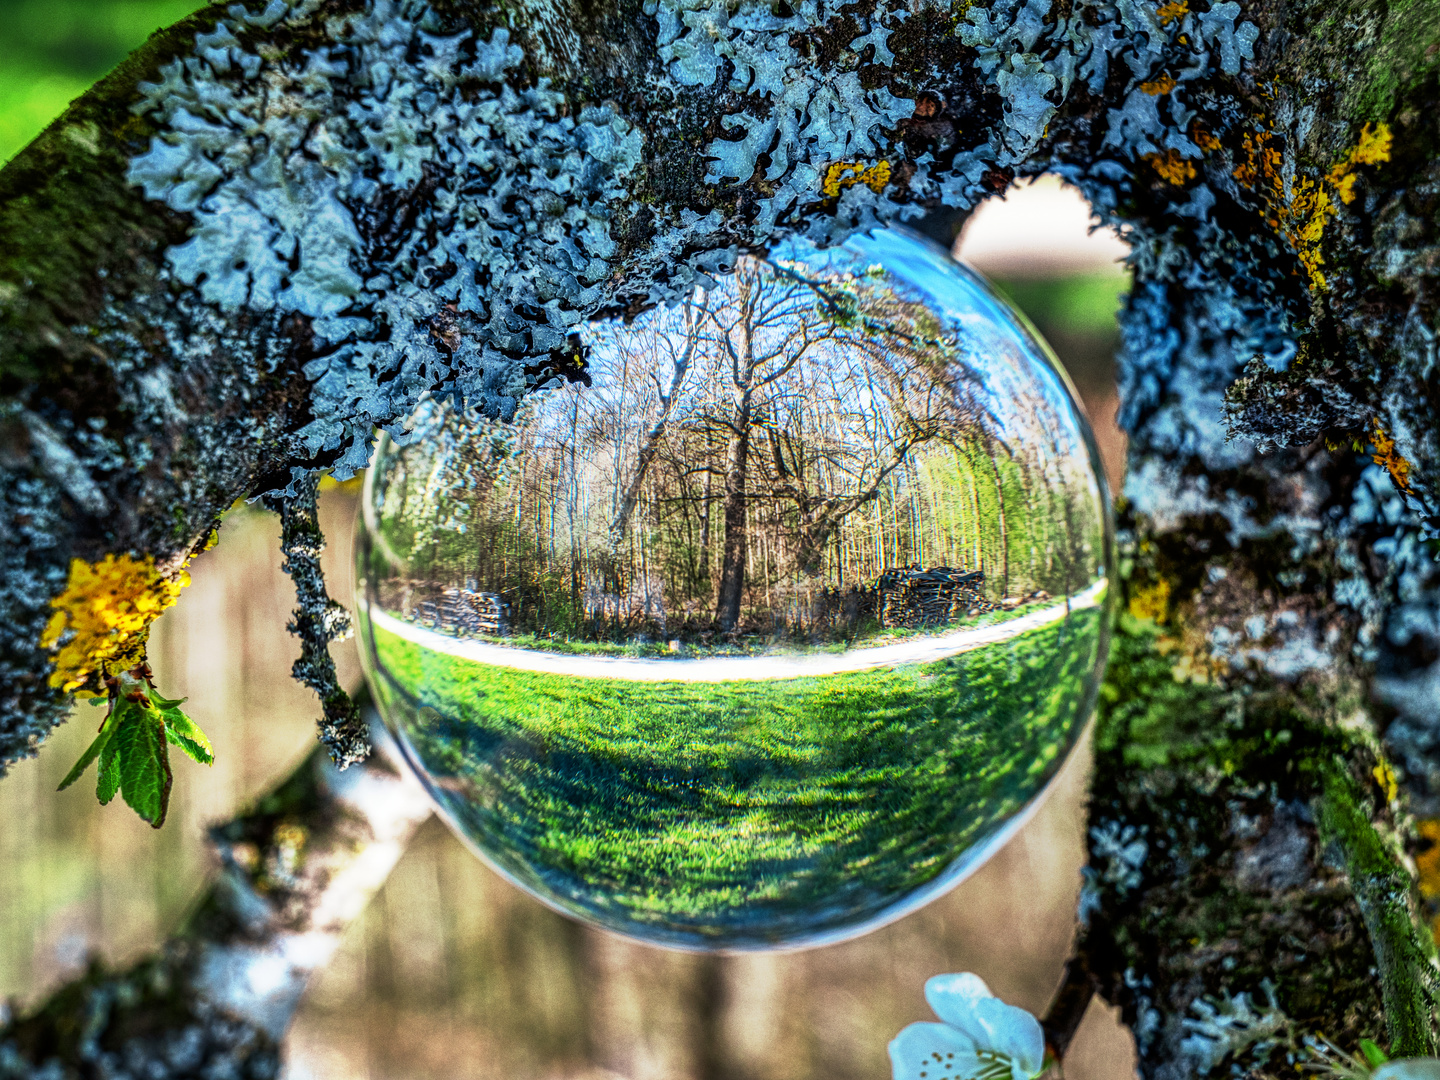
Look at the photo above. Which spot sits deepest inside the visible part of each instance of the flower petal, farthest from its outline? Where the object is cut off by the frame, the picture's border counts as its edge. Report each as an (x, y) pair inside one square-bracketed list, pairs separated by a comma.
[(1405, 1069), (1010, 1030), (933, 1052), (953, 996), (965, 1002)]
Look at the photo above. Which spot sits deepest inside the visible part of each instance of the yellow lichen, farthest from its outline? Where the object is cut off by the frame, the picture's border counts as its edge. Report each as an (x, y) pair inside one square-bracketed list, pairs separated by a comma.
[(1173, 11), (1388, 458), (349, 487), (1161, 84), (1385, 779), (1151, 602), (1172, 167), (1373, 149), (1300, 208), (1303, 222), (106, 611), (844, 174), (1297, 209), (1194, 666)]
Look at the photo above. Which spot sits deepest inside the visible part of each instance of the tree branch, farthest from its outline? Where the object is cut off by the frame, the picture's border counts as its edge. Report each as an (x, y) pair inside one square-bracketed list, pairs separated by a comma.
[(273, 229), (294, 870)]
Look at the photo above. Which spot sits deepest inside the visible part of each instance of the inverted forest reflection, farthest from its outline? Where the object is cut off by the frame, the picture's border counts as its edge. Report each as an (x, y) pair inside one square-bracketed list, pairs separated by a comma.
[(715, 644), (452, 972)]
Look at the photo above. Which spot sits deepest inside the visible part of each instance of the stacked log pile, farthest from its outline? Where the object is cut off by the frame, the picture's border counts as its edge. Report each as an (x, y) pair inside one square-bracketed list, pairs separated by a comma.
[(464, 611), (909, 597), (913, 598)]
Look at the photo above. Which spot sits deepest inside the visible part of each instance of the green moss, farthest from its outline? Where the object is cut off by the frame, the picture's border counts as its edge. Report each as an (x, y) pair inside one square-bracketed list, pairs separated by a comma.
[(1404, 63), (1383, 890)]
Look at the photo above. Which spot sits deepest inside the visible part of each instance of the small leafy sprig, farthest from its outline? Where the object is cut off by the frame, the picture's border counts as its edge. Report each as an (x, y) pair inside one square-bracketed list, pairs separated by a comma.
[(133, 745)]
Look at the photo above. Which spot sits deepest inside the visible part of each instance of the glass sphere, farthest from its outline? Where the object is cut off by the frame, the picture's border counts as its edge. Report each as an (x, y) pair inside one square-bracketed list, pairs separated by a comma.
[(767, 626)]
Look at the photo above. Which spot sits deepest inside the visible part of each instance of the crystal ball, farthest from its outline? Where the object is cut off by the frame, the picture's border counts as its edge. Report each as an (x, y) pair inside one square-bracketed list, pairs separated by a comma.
[(768, 623)]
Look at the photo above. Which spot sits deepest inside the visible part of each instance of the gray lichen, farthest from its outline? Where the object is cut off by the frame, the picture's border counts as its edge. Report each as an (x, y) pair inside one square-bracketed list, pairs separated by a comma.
[(317, 622)]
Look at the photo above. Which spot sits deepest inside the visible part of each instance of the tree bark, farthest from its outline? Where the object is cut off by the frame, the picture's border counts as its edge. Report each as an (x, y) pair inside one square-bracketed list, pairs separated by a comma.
[(620, 524), (270, 231)]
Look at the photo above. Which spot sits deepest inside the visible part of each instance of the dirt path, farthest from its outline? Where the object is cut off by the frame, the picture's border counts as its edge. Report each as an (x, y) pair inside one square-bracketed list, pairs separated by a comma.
[(728, 668)]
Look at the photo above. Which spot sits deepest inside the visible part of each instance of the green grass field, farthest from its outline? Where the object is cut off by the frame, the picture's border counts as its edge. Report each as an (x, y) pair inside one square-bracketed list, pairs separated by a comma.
[(740, 812)]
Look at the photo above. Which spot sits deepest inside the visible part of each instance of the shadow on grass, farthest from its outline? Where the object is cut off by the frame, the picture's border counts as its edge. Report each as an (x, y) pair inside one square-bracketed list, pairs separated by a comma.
[(741, 812)]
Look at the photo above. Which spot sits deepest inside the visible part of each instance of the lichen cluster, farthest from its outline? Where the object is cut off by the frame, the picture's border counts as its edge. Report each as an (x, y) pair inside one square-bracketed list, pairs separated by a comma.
[(104, 618)]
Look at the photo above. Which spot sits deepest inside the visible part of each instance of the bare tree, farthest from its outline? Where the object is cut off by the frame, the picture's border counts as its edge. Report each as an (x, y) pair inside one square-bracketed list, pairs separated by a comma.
[(665, 396)]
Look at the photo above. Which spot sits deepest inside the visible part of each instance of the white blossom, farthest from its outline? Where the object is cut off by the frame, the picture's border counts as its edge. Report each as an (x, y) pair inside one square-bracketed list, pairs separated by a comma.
[(980, 1037)]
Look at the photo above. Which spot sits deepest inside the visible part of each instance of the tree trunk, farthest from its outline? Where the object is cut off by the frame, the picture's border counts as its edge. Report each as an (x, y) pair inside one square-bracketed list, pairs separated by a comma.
[(705, 511), (734, 516), (620, 523), (219, 998), (1004, 532)]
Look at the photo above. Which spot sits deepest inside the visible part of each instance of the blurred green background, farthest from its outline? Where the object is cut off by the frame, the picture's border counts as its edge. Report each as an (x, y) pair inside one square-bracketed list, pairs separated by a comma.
[(51, 51), (451, 972)]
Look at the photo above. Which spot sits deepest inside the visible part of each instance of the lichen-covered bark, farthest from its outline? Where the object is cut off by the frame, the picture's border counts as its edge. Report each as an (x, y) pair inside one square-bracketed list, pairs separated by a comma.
[(273, 229), (317, 622)]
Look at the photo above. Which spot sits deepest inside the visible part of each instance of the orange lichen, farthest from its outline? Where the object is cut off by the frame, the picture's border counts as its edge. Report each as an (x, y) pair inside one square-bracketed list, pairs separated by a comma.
[(1161, 84), (1388, 458), (1203, 139), (1427, 866), (1373, 149), (1173, 11), (106, 609), (844, 174), (1260, 165), (1172, 167)]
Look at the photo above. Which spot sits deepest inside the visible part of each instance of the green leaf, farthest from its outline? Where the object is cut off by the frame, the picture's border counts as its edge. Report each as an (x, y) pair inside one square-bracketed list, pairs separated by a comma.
[(143, 763), (122, 712), (183, 732), (1373, 1054), (134, 757), (109, 781), (195, 751), (107, 728)]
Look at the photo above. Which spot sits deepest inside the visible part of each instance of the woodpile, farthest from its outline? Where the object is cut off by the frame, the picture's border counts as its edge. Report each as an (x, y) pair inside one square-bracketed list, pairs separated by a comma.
[(914, 598), (464, 611), (910, 597)]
